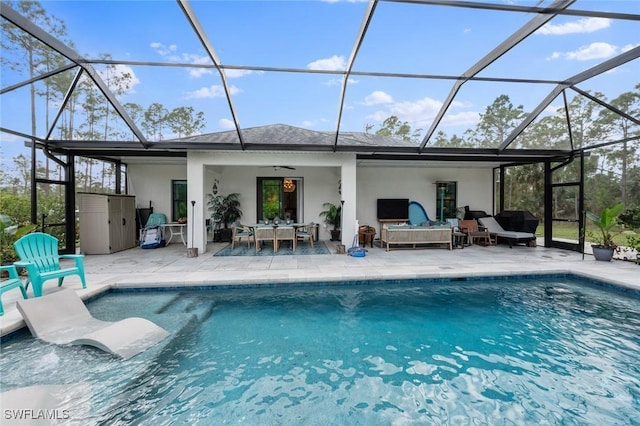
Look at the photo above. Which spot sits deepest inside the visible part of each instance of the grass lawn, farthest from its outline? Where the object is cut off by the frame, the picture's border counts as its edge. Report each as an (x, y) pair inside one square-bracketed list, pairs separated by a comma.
[(569, 231)]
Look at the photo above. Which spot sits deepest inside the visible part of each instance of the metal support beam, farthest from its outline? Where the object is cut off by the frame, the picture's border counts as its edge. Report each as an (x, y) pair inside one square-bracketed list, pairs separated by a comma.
[(70, 205), (548, 205), (37, 78), (607, 106), (515, 38), (568, 118), (612, 63), (206, 43), (119, 177), (29, 27), (511, 7), (581, 220), (366, 20), (63, 104)]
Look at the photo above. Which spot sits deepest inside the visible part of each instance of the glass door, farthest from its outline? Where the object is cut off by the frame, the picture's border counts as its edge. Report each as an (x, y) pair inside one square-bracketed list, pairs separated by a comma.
[(564, 227)]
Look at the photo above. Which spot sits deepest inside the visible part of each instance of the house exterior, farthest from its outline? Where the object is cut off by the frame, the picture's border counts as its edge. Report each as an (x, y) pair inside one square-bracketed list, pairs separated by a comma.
[(320, 176)]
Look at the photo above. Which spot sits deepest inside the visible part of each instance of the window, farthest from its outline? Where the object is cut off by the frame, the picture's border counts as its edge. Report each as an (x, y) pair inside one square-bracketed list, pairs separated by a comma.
[(281, 197), (179, 199), (446, 200)]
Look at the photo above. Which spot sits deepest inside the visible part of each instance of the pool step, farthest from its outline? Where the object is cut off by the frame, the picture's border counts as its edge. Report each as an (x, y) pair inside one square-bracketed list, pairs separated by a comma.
[(187, 303)]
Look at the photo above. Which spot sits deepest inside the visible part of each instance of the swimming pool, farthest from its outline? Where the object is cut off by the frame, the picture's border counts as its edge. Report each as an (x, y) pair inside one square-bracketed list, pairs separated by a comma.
[(545, 350)]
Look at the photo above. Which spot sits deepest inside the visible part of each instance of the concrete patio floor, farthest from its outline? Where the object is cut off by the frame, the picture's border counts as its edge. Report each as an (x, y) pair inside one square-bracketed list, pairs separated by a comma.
[(170, 267)]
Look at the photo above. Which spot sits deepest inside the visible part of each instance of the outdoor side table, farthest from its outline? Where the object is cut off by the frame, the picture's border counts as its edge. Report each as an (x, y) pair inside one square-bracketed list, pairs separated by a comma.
[(174, 229), (458, 239)]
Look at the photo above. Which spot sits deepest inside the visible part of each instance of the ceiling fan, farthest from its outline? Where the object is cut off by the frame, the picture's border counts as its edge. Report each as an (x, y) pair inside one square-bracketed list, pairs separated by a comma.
[(276, 168)]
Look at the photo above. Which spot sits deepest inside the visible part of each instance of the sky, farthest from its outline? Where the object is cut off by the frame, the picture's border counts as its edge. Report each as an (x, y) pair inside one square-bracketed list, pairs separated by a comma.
[(320, 35)]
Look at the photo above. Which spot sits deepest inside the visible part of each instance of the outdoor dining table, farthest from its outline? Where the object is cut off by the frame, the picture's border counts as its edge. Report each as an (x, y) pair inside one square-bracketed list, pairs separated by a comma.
[(259, 236)]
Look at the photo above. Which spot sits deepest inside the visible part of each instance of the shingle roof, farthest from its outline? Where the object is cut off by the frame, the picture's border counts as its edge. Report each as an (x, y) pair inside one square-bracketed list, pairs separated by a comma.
[(283, 134)]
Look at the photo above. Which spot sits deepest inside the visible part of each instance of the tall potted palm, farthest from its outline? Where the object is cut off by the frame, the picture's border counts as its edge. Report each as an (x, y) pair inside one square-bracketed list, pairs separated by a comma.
[(225, 209), (604, 247), (332, 217)]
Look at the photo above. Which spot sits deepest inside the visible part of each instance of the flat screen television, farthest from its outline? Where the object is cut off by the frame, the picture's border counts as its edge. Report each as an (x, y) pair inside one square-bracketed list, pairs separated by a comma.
[(393, 208)]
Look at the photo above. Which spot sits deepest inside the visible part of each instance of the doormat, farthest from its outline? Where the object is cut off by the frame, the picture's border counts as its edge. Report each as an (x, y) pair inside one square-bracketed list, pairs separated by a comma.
[(285, 249)]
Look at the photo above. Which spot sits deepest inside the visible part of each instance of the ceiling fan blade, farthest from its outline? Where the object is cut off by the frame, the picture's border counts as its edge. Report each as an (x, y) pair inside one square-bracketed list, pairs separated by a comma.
[(276, 168)]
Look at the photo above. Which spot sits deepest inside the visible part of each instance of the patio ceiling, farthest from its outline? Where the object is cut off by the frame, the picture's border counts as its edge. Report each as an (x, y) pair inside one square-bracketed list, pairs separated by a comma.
[(317, 76)]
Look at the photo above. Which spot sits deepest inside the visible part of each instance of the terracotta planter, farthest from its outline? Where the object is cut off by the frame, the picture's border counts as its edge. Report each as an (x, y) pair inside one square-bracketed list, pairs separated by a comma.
[(602, 253)]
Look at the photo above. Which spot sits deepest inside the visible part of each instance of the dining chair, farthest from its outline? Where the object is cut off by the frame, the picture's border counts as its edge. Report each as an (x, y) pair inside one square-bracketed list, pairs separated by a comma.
[(306, 232), (263, 233), (239, 232), (285, 233)]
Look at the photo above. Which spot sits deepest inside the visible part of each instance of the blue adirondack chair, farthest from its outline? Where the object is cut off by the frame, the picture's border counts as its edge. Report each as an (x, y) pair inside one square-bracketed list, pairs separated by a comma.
[(38, 253), (13, 281)]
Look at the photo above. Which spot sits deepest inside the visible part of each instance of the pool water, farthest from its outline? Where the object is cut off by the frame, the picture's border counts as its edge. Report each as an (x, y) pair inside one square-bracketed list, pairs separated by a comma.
[(534, 351)]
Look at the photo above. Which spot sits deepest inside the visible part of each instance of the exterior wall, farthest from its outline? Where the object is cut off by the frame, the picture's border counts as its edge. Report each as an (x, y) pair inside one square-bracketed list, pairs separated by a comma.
[(237, 172), (152, 182), (475, 188)]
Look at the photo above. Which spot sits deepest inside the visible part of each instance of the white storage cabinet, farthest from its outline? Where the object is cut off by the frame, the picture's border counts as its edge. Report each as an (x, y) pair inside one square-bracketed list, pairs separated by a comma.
[(107, 222)]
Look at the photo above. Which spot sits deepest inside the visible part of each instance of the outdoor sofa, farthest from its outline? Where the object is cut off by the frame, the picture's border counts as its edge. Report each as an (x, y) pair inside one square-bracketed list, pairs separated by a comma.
[(416, 234)]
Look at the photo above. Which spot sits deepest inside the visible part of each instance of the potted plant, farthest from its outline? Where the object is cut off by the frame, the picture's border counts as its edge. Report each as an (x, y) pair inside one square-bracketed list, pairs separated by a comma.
[(225, 209), (332, 215), (604, 247)]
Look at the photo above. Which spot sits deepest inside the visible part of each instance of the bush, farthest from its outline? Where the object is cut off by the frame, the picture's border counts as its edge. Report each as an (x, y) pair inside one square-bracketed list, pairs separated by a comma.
[(630, 218), (9, 234)]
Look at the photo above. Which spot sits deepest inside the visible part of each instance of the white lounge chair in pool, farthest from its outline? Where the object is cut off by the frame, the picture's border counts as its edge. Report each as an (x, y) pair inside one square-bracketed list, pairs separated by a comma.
[(62, 318), (511, 237)]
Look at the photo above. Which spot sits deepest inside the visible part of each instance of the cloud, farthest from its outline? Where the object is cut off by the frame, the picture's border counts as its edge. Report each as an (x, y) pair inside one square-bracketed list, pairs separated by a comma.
[(214, 91), (162, 49), (417, 113), (378, 97), (240, 73), (628, 47), (199, 72), (338, 82), (416, 110), (465, 118), (225, 123), (170, 53), (334, 63), (581, 26), (120, 78), (230, 73), (597, 50), (420, 113)]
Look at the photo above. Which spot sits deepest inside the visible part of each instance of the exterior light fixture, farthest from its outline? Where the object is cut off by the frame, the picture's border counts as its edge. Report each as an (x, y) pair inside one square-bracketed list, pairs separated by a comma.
[(288, 185)]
